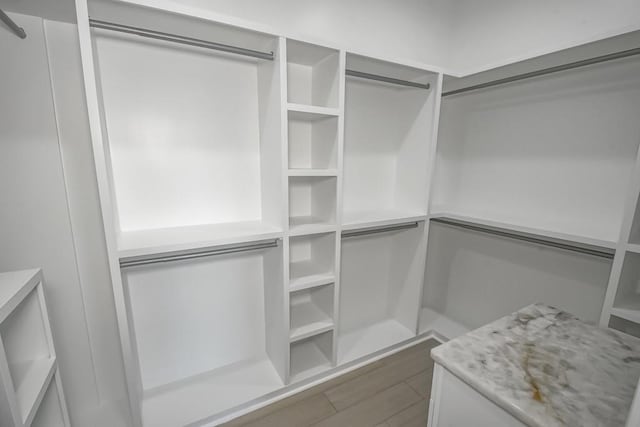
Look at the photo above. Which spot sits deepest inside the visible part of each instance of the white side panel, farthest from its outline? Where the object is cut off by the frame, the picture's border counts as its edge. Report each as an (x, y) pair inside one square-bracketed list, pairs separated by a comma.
[(35, 227)]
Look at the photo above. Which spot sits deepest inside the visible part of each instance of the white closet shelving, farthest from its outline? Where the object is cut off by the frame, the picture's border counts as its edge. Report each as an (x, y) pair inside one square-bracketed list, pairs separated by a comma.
[(268, 207), (30, 389)]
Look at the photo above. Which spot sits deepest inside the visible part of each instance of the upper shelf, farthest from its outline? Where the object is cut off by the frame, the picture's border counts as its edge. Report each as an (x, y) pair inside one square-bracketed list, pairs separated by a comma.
[(364, 219), (149, 242), (542, 233)]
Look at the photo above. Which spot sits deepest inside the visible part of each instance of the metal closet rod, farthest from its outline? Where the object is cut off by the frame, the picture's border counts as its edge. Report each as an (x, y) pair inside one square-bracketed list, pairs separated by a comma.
[(376, 230), (385, 79), (545, 71), (18, 30), (158, 35), (526, 238), (181, 256)]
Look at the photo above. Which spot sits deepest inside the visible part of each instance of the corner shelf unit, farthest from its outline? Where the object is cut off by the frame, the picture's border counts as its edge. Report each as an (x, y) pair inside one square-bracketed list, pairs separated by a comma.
[(31, 392)]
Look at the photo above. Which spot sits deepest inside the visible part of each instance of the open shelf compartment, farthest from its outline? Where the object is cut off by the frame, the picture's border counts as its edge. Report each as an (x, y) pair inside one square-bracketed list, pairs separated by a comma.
[(311, 356), (311, 312), (312, 204), (30, 359), (50, 413), (627, 302), (311, 260), (381, 275), (222, 328), (313, 141), (472, 279), (177, 176), (388, 139), (312, 74)]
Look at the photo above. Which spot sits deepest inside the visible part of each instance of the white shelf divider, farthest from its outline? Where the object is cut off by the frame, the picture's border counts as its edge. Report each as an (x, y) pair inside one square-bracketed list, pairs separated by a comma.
[(310, 281), (634, 247), (313, 172), (27, 355), (314, 111)]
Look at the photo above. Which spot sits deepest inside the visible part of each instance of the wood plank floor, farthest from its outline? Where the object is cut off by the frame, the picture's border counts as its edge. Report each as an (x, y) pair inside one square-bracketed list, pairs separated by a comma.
[(391, 392)]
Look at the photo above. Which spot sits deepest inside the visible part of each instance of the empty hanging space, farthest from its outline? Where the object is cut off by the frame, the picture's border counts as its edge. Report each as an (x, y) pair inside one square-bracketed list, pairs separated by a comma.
[(551, 155), (211, 327), (311, 356), (311, 312), (30, 361), (472, 278), (388, 135), (311, 261), (192, 134), (381, 275), (627, 301), (312, 204), (313, 143), (312, 77)]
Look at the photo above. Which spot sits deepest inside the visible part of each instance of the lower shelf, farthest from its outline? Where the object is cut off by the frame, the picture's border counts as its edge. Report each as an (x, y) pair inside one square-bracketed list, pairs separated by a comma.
[(308, 358), (439, 325), (195, 399), (31, 389), (364, 341)]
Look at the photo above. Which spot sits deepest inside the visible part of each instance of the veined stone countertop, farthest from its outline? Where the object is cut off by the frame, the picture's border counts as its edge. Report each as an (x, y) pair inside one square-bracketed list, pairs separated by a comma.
[(548, 368)]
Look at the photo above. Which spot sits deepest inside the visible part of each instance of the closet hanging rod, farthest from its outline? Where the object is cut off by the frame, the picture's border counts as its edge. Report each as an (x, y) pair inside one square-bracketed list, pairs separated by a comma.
[(158, 35), (527, 238), (545, 71), (181, 256), (18, 30), (376, 230), (385, 79)]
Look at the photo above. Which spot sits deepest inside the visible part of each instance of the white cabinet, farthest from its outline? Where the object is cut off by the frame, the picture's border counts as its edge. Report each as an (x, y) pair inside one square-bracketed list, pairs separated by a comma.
[(31, 392), (455, 404)]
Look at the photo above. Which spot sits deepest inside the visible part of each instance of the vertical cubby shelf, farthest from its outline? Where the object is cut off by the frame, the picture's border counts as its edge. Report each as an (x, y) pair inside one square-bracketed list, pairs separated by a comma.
[(312, 75), (627, 301), (312, 203), (311, 312), (388, 136), (313, 141), (381, 275), (311, 261), (311, 356)]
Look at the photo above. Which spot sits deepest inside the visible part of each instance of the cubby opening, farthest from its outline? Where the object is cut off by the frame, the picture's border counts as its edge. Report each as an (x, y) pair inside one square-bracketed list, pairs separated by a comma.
[(192, 136), (473, 278), (313, 141), (311, 356), (29, 357), (312, 203), (381, 275), (207, 326), (50, 412), (388, 136), (532, 154), (625, 326), (312, 74), (311, 312), (627, 301), (311, 260)]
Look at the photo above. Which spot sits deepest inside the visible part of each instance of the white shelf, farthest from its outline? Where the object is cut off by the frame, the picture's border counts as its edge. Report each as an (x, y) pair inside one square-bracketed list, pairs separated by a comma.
[(300, 283), (303, 225), (433, 322), (365, 219), (312, 112), (307, 320), (630, 314), (307, 360), (545, 233), (313, 172), (362, 342), (633, 247), (303, 272), (14, 286), (148, 242), (33, 386), (209, 394)]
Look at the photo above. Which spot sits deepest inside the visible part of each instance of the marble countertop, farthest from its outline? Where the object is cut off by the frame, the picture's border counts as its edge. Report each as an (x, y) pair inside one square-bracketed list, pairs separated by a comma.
[(548, 368)]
